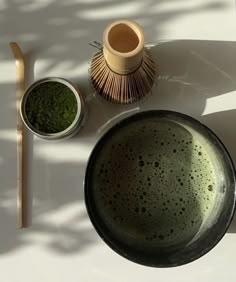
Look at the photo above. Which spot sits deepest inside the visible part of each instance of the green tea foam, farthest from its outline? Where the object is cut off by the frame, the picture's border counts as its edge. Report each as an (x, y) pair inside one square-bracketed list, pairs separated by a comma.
[(154, 183)]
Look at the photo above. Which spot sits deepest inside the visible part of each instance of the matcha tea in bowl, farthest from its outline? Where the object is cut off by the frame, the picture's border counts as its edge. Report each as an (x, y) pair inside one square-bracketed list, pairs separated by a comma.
[(52, 108)]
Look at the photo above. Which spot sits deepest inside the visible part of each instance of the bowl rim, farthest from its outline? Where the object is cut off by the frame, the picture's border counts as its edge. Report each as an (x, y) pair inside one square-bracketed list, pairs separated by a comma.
[(89, 209)]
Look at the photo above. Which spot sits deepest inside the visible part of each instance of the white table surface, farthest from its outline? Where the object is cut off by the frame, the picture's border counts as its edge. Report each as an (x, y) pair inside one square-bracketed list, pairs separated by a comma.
[(194, 44)]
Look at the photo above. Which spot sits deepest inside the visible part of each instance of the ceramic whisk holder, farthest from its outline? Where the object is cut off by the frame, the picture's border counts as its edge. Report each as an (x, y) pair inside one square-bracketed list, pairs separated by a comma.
[(123, 45), (123, 71)]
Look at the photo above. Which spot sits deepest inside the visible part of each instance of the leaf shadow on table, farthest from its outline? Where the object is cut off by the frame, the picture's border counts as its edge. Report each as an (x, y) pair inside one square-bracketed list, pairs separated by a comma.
[(59, 215), (67, 28), (52, 188), (190, 77), (62, 215), (61, 31)]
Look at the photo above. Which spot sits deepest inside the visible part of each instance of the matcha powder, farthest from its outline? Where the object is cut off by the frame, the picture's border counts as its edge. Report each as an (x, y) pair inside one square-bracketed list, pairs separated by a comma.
[(51, 107)]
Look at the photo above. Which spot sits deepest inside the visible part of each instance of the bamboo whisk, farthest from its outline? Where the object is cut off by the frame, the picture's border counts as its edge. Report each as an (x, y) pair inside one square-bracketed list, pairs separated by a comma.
[(123, 71)]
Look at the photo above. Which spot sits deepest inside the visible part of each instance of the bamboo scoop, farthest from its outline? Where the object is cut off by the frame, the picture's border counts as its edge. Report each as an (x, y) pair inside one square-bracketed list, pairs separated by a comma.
[(20, 87)]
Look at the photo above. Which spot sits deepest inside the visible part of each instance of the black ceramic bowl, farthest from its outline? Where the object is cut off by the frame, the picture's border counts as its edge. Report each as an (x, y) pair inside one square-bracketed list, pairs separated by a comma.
[(160, 188)]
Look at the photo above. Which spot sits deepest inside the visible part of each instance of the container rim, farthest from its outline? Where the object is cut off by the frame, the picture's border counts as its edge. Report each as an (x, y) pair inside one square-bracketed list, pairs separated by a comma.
[(79, 113)]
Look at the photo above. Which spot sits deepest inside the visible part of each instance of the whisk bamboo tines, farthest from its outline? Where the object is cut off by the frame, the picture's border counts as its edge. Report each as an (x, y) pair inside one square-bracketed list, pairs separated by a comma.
[(123, 71)]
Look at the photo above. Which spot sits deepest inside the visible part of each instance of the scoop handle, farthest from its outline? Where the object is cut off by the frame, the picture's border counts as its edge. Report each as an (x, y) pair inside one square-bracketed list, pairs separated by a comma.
[(20, 88)]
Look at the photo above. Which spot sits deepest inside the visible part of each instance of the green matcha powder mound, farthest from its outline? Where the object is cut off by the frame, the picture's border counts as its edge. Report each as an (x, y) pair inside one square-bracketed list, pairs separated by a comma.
[(51, 107)]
